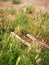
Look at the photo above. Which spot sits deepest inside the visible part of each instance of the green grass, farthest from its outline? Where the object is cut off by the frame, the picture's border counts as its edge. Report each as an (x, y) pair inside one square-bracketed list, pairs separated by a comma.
[(30, 9), (39, 27), (16, 1), (24, 22), (11, 48)]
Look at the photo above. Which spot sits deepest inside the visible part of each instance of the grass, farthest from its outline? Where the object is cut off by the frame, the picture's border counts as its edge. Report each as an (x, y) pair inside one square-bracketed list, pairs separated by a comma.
[(16, 1), (30, 9), (38, 28), (12, 51), (11, 10)]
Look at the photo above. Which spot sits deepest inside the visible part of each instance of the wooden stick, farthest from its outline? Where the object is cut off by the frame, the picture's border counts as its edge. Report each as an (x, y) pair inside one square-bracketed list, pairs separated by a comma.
[(43, 44), (23, 41)]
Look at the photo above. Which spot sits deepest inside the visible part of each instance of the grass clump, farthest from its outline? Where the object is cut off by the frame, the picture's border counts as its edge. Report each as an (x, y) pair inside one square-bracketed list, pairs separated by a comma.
[(24, 22), (10, 51), (16, 1), (42, 24), (30, 9)]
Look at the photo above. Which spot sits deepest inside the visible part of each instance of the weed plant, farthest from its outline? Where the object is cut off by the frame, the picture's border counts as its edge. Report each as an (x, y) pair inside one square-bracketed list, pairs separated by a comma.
[(16, 1)]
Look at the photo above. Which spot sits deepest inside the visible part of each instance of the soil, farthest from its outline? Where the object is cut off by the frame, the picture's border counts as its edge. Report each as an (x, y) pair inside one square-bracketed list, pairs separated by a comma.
[(39, 4)]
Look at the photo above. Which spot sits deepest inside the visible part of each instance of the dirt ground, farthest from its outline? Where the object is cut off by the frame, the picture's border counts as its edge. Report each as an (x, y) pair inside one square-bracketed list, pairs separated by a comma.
[(38, 4)]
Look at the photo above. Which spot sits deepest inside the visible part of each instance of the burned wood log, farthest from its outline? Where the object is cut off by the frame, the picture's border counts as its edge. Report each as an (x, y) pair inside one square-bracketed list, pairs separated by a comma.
[(43, 44)]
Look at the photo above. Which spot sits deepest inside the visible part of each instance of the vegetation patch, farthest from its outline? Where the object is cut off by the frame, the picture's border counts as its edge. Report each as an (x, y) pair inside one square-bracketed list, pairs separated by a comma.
[(12, 50), (16, 1)]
